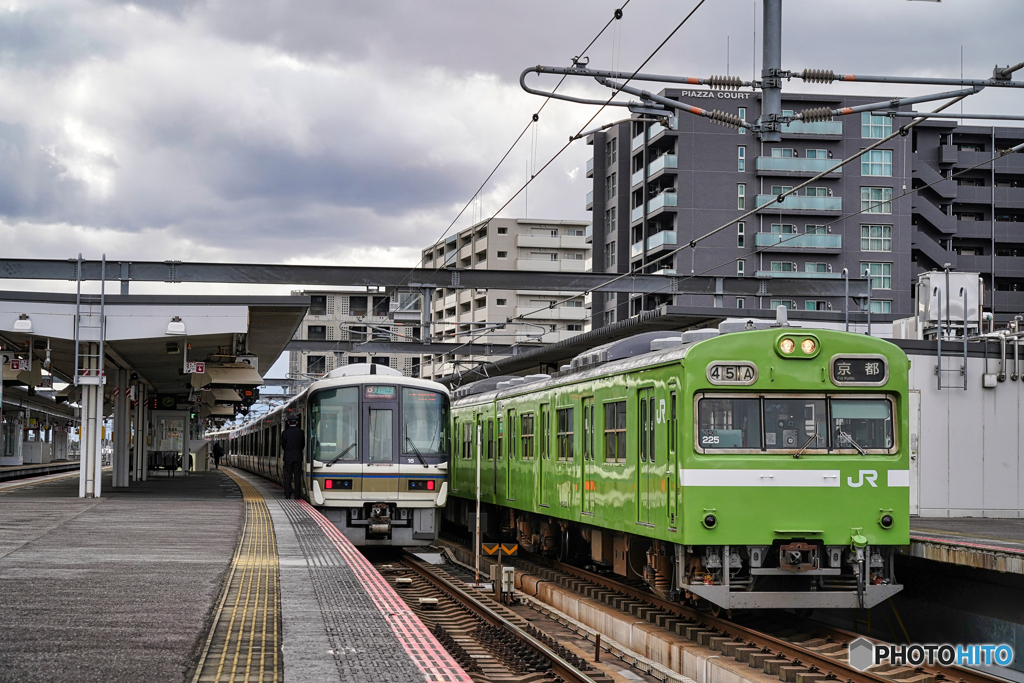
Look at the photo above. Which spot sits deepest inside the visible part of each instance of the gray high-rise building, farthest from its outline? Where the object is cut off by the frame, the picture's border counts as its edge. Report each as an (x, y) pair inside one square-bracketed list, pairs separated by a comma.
[(656, 188)]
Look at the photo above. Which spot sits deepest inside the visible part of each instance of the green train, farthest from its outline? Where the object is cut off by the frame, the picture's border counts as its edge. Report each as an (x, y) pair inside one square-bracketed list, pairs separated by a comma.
[(757, 468)]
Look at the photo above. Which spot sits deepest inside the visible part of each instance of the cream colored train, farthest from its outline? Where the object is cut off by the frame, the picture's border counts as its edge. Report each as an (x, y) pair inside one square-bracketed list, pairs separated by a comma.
[(376, 457)]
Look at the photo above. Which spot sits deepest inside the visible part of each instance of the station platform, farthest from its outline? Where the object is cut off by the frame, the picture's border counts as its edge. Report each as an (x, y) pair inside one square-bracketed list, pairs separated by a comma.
[(211, 577), (10, 472), (980, 542)]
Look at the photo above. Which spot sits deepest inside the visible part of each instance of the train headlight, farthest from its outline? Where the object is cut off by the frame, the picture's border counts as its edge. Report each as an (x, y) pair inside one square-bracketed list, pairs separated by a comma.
[(886, 521), (787, 346), (808, 346), (709, 521)]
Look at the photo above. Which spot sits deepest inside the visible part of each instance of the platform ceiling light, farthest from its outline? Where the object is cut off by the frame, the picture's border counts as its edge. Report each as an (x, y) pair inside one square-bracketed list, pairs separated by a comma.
[(176, 326), (23, 324)]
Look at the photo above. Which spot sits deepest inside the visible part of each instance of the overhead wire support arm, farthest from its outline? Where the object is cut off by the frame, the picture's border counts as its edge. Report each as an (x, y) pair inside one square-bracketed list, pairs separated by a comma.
[(719, 117), (824, 113), (828, 76)]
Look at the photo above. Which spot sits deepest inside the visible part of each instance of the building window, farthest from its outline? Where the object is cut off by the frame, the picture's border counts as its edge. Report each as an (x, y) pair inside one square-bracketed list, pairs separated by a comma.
[(876, 162), (564, 434), (502, 254), (741, 302), (876, 238), (358, 306), (783, 267), (817, 191), (817, 154), (609, 255), (741, 228), (881, 307), (783, 228), (780, 189), (783, 153), (880, 273), (316, 332), (815, 267), (742, 114), (741, 158), (970, 147), (610, 221), (502, 231), (610, 185), (574, 327), (575, 303), (608, 318), (316, 365), (875, 126), (788, 303), (810, 305), (816, 229), (615, 431), (318, 304), (741, 266), (741, 196), (501, 302), (611, 151), (876, 200), (353, 360)]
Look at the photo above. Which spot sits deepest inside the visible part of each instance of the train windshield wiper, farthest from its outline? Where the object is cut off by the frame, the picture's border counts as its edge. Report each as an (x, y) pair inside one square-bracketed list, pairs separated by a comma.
[(844, 435), (339, 455), (416, 451), (807, 443)]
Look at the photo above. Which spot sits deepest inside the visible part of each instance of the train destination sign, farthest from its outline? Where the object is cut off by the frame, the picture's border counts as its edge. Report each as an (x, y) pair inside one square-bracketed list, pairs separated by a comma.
[(857, 370), (742, 373)]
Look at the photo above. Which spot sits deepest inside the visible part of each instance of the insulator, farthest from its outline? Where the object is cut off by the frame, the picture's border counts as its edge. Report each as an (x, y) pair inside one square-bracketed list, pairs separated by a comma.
[(818, 75), (818, 114), (724, 119), (726, 82)]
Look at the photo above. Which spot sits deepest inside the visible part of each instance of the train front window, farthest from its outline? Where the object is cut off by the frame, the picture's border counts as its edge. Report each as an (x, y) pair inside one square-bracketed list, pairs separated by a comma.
[(334, 425), (381, 425), (795, 423), (424, 422), (862, 424), (729, 423)]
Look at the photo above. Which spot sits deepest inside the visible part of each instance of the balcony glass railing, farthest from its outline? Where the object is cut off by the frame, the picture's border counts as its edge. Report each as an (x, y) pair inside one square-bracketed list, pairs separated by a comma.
[(590, 198), (590, 164), (588, 232), (637, 178), (662, 200), (638, 142), (661, 239), (779, 273), (662, 162), (814, 128), (665, 271), (636, 249), (795, 164), (798, 241), (657, 128), (801, 203), (637, 213)]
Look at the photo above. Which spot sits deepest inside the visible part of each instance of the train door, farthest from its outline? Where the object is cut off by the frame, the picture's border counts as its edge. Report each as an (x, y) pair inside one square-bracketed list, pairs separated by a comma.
[(510, 450), (544, 454), (587, 470), (382, 427), (647, 475), (672, 467), (499, 452)]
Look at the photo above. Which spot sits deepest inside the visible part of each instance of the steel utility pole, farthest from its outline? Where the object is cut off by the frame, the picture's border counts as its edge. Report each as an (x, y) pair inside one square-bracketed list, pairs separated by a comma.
[(771, 66)]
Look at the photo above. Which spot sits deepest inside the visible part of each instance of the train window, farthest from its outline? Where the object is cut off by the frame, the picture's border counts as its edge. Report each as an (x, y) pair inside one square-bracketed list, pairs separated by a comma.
[(425, 422), (565, 426), (862, 424), (334, 425), (729, 423), (490, 439), (458, 445), (643, 430), (501, 433), (380, 435), (673, 423), (526, 431), (795, 423), (615, 431), (467, 440), (650, 428)]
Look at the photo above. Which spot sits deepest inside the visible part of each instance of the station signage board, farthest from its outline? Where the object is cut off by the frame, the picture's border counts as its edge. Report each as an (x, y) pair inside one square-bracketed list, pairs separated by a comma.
[(195, 368)]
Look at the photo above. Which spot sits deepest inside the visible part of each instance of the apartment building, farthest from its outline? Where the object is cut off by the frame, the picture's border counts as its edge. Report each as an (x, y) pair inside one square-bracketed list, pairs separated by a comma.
[(657, 187), (524, 244)]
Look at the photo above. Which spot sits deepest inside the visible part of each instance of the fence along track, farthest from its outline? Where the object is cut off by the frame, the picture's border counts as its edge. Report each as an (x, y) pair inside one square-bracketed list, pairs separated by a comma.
[(244, 643)]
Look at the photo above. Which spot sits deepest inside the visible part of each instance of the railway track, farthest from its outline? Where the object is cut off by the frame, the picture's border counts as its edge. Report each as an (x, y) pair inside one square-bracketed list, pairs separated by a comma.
[(795, 650), (491, 642)]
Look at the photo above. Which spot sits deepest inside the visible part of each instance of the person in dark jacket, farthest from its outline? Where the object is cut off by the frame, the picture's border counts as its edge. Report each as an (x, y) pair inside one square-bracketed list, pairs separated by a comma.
[(218, 453), (292, 443)]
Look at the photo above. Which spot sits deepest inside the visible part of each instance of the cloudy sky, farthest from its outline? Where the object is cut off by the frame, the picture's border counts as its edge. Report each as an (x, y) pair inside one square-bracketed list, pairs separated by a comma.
[(354, 132)]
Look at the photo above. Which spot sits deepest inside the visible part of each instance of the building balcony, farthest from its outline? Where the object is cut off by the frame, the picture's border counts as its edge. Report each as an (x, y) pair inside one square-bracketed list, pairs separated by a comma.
[(588, 265), (543, 313), (814, 128), (573, 241), (636, 214), (665, 161), (636, 249), (795, 203), (657, 129), (1009, 302), (549, 266), (793, 166), (590, 201), (637, 143), (665, 271), (799, 242), (450, 259), (796, 273), (590, 167), (637, 178), (466, 251), (662, 200), (541, 241), (665, 238), (588, 233)]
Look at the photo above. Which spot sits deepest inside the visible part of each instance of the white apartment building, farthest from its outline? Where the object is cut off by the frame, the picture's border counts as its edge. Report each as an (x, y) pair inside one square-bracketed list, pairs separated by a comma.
[(526, 244)]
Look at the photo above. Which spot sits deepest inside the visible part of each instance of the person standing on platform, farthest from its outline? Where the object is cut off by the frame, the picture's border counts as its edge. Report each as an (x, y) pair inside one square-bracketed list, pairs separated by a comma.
[(218, 453), (292, 443)]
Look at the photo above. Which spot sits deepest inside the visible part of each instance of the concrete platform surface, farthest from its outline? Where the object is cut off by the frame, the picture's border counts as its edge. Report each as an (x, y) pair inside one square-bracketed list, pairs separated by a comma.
[(118, 588), (982, 543)]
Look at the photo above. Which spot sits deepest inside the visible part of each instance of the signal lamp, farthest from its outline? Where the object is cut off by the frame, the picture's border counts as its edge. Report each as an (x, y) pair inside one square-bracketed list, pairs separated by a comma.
[(787, 346), (808, 346), (886, 521), (709, 521)]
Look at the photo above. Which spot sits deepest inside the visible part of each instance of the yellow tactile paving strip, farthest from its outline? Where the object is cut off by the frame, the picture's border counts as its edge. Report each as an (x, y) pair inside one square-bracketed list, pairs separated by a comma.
[(244, 645)]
